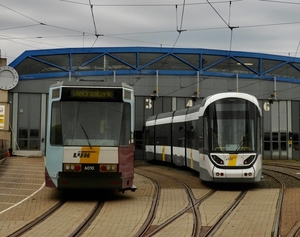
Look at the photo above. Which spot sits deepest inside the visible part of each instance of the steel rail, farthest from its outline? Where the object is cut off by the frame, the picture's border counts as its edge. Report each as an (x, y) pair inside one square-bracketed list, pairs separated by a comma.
[(276, 227), (151, 215), (295, 231), (38, 220), (225, 215), (193, 204), (87, 222)]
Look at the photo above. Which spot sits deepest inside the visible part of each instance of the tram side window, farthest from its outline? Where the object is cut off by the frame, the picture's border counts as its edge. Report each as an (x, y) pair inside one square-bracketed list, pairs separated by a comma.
[(205, 134), (163, 134), (190, 134), (200, 136), (196, 134), (193, 135), (149, 135), (179, 134), (56, 127)]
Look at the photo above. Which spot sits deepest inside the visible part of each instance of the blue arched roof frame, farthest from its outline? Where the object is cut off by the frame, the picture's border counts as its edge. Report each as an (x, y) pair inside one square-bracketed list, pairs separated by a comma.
[(84, 62)]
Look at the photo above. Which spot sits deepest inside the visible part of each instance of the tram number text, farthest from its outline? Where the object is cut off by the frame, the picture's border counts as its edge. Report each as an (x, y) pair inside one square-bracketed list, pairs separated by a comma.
[(89, 168)]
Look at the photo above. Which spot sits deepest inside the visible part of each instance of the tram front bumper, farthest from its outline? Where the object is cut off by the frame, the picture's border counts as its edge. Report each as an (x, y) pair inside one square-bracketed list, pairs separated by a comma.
[(89, 181), (234, 175)]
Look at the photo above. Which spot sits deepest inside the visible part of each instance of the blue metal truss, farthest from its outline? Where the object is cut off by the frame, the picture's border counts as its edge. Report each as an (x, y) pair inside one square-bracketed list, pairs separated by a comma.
[(57, 63)]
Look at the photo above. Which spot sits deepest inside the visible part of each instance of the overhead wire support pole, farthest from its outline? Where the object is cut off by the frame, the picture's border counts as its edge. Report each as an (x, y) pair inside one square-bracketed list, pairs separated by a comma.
[(179, 30), (95, 27), (227, 24)]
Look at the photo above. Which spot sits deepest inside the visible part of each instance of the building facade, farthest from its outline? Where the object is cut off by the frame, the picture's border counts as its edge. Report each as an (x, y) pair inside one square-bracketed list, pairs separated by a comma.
[(164, 79)]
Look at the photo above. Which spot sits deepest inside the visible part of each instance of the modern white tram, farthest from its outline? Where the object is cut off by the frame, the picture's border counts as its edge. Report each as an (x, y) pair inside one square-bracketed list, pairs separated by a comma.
[(220, 138)]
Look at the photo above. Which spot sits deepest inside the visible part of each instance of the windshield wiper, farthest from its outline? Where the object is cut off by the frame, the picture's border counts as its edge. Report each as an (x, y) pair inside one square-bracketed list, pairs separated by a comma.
[(242, 143), (87, 137)]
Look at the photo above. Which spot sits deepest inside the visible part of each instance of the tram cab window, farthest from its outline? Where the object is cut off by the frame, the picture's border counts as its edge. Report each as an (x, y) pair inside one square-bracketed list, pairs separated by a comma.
[(90, 123), (232, 125)]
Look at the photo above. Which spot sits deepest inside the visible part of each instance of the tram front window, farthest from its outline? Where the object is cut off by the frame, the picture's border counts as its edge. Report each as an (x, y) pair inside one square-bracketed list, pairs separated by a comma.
[(233, 126), (90, 124)]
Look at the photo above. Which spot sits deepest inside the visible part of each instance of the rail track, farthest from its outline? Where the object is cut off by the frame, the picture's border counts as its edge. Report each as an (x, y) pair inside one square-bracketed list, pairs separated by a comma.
[(53, 216), (284, 177), (168, 200), (193, 205), (225, 215)]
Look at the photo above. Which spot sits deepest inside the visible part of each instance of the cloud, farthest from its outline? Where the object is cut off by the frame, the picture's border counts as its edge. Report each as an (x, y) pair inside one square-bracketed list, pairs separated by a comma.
[(263, 26)]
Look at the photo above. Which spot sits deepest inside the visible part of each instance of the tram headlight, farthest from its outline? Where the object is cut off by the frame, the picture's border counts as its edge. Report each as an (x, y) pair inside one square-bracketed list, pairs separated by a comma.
[(108, 168), (218, 160), (249, 160), (72, 167)]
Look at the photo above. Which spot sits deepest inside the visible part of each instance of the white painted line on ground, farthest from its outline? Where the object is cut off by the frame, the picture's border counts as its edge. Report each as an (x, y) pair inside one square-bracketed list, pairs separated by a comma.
[(23, 199)]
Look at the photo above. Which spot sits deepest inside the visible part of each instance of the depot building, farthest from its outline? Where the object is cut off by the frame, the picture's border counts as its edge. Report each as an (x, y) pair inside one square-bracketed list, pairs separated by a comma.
[(164, 79)]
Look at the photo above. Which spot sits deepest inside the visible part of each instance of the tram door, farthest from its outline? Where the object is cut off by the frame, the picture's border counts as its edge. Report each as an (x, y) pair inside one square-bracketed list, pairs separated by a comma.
[(277, 124)]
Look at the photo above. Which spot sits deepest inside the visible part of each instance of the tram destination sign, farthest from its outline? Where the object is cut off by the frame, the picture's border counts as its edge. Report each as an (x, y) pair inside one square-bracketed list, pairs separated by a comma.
[(92, 94)]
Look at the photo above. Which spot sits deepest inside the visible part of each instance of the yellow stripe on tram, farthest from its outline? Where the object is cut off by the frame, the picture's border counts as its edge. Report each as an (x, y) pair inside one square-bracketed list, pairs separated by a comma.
[(89, 156), (232, 160), (163, 155), (191, 156)]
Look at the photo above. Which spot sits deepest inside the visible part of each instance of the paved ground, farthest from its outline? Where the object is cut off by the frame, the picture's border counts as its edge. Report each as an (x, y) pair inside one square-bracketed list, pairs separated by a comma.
[(23, 197)]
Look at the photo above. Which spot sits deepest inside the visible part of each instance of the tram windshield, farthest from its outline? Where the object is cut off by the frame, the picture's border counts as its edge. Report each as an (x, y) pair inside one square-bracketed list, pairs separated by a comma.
[(75, 123), (234, 126)]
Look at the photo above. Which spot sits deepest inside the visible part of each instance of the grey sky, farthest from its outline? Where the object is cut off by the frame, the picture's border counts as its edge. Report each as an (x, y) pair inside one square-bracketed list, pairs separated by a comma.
[(264, 26)]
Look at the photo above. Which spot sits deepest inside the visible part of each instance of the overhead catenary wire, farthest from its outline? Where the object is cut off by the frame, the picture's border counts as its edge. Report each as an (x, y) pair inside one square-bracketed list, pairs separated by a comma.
[(89, 34), (146, 4), (227, 24), (153, 32), (284, 2), (176, 40)]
